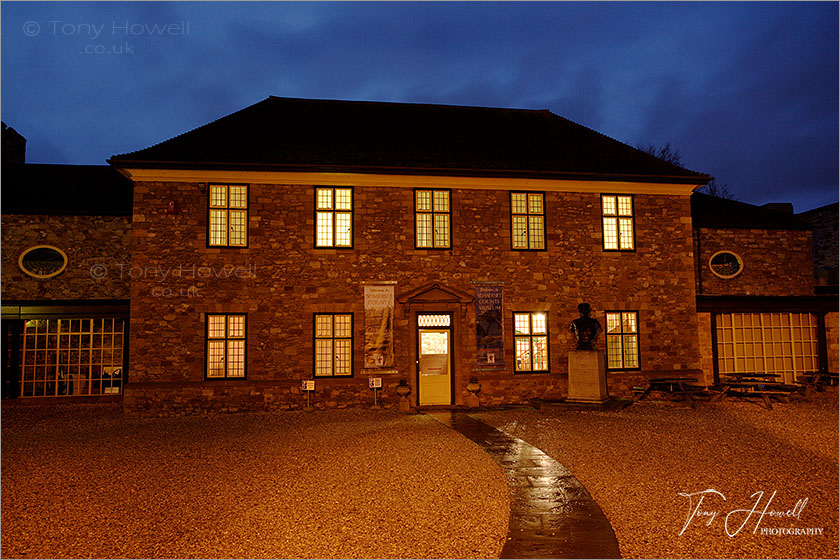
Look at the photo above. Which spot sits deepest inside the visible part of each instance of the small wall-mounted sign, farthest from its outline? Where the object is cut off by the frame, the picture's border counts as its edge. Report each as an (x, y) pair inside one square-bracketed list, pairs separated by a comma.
[(307, 385), (375, 382)]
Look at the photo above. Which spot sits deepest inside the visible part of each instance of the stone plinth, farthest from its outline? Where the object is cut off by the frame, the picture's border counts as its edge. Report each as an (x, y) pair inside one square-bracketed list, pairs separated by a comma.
[(587, 378)]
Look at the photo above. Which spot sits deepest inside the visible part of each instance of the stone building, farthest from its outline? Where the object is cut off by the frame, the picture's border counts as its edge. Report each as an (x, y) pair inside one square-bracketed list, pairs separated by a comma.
[(349, 243)]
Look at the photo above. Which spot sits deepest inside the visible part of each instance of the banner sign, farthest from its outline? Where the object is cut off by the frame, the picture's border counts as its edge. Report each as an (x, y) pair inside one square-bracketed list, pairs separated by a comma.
[(379, 326), (488, 326)]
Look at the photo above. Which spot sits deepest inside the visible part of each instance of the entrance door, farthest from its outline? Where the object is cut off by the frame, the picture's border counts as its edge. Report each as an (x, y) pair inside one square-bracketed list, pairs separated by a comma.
[(434, 363)]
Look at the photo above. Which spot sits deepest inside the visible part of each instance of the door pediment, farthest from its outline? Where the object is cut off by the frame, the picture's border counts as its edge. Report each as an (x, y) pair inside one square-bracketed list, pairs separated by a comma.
[(435, 293)]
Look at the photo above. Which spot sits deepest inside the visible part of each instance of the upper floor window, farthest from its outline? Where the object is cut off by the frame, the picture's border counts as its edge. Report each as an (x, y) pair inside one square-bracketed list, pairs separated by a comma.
[(333, 344), (622, 339), (225, 346), (334, 217), (527, 220), (617, 213), (228, 224), (530, 340), (432, 219)]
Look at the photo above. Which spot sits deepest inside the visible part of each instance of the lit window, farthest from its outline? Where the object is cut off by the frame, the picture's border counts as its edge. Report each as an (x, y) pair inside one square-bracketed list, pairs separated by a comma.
[(432, 219), (527, 220), (228, 224), (622, 340), (530, 339), (225, 346), (333, 217), (333, 345), (617, 216)]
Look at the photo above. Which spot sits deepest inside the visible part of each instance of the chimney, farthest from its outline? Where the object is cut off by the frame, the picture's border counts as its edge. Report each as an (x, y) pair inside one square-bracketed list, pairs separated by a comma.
[(14, 146)]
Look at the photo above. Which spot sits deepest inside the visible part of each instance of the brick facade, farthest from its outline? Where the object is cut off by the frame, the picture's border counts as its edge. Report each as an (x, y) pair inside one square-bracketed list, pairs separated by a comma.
[(98, 251), (776, 262), (280, 280)]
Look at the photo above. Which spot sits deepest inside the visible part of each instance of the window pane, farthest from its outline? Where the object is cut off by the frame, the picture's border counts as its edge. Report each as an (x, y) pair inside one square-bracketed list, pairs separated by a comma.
[(441, 201), (323, 326), (423, 201), (626, 233), (536, 233), (631, 351), (613, 323), (342, 357), (218, 196), (540, 353), (325, 229), (538, 323), (216, 326), (625, 206), (520, 232), (523, 354), (441, 230), (629, 322), (324, 199), (608, 205), (517, 203), (521, 325), (323, 357), (614, 351), (236, 326), (424, 230), (343, 326), (610, 233), (236, 358), (343, 229), (216, 358), (218, 227), (238, 227), (343, 199), (535, 203), (238, 196)]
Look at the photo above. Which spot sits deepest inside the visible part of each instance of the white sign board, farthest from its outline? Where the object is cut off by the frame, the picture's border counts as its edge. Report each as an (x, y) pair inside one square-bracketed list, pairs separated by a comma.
[(375, 382), (307, 385)]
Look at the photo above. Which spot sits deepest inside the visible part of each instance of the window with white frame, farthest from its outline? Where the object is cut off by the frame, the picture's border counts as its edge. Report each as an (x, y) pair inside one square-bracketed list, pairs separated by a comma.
[(333, 344), (432, 215), (530, 340), (226, 346), (622, 339), (527, 220), (334, 217), (617, 219), (228, 216)]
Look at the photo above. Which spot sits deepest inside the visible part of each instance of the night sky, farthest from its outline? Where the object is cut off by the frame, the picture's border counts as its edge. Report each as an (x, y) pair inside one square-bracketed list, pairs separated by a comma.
[(747, 92)]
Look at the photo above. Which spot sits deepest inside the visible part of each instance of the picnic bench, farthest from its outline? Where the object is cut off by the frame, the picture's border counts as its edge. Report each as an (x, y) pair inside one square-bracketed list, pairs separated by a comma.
[(762, 385), (812, 381), (679, 386)]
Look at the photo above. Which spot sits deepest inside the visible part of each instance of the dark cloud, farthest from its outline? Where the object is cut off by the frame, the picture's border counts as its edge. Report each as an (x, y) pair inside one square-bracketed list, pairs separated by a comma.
[(746, 91)]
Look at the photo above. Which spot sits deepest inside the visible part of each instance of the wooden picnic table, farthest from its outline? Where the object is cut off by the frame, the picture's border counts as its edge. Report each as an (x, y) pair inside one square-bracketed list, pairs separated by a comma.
[(815, 380), (754, 385), (673, 385)]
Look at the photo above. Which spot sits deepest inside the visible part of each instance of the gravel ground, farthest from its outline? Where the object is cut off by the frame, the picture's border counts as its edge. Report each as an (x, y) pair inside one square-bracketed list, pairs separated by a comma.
[(637, 461), (82, 481)]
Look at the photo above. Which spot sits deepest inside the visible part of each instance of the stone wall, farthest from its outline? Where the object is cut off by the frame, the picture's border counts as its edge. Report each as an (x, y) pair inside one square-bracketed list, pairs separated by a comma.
[(704, 333), (776, 262), (832, 335), (824, 221), (98, 252), (280, 281)]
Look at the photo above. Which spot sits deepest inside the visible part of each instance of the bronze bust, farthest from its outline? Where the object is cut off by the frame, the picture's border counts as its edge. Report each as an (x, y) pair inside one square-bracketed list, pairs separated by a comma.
[(586, 328)]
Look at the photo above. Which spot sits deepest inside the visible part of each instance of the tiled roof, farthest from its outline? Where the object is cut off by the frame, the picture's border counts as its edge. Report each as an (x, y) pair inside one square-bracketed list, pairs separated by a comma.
[(83, 190), (713, 212), (373, 137)]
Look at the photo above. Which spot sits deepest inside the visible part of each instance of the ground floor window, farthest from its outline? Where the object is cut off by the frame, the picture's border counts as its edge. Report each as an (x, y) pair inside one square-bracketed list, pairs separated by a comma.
[(226, 346), (333, 345), (530, 340), (780, 343), (71, 357), (622, 340)]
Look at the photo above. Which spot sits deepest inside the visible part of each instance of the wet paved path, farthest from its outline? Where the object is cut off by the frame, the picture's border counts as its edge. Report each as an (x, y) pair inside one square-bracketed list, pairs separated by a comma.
[(551, 514)]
